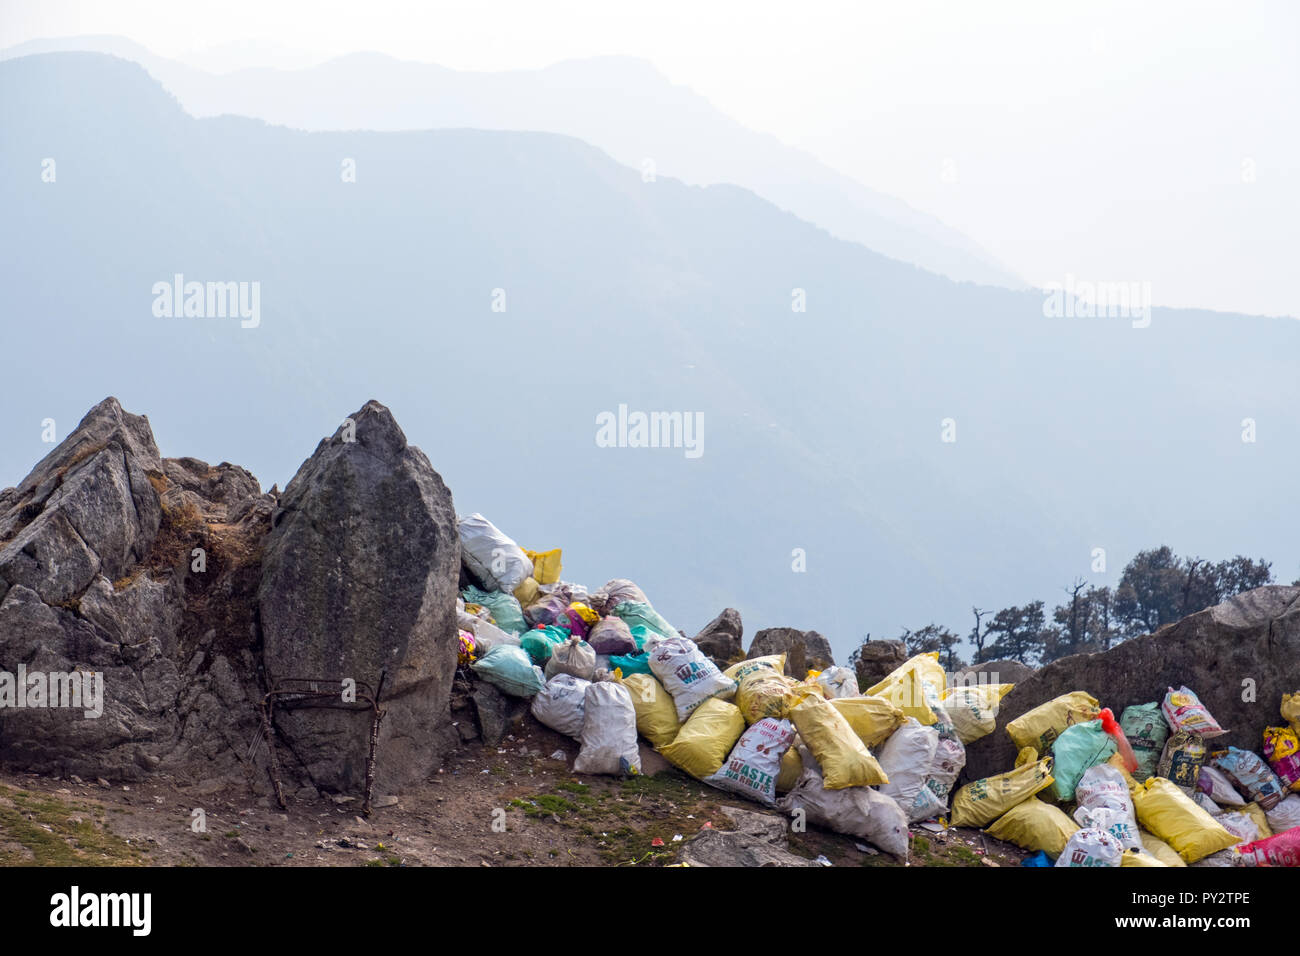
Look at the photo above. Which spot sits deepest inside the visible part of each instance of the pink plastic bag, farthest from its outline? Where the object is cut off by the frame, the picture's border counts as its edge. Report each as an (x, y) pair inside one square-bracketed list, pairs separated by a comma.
[(1282, 849)]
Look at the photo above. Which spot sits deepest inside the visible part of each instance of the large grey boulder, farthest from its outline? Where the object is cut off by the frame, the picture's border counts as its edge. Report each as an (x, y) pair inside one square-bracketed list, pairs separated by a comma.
[(993, 672), (814, 648), (359, 577), (720, 639), (876, 659), (1239, 657)]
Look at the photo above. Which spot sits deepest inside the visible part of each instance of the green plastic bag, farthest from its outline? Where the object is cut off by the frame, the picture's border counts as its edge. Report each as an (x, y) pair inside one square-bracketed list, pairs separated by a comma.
[(508, 668), (1079, 747), (637, 612), (540, 641), (506, 612), (631, 664), (1145, 727)]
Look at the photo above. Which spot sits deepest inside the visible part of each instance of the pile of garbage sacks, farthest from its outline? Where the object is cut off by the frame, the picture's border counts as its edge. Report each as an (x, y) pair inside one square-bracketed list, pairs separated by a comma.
[(604, 667), (1148, 789)]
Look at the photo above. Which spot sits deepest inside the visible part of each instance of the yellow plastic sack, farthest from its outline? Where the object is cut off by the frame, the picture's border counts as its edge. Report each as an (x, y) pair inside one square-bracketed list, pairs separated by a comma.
[(803, 688), (1174, 817), (546, 565), (873, 719), (764, 693), (1282, 751), (973, 709), (589, 617), (1158, 848), (656, 714), (844, 759), (791, 768), (980, 803), (904, 687), (1040, 727), (527, 592), (1291, 710), (1259, 818), (1034, 825), (706, 739), (1138, 858), (742, 669)]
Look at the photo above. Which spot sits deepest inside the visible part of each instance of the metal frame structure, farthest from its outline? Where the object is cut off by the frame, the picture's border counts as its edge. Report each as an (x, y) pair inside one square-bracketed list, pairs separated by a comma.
[(294, 692)]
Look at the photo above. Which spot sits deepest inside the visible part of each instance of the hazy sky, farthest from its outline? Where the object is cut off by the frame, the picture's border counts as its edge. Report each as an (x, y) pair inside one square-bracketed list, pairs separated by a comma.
[(1155, 142)]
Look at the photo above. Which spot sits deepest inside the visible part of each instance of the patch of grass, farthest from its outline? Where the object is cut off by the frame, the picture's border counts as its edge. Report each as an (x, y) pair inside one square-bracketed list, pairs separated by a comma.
[(964, 855), (545, 804), (36, 831), (573, 786)]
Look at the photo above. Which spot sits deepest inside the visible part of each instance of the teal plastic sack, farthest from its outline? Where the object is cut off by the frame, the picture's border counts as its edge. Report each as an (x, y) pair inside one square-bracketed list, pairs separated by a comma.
[(508, 669), (1079, 747), (506, 612), (641, 634), (635, 663), (1144, 726), (638, 612), (540, 641), (631, 664)]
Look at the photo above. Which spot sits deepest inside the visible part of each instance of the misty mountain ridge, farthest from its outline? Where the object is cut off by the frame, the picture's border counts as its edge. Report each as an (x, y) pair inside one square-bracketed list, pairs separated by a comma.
[(623, 105)]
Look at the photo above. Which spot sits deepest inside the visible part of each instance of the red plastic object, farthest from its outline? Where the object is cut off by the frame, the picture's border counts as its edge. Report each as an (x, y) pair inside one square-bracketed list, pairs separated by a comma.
[(1112, 727), (1281, 849)]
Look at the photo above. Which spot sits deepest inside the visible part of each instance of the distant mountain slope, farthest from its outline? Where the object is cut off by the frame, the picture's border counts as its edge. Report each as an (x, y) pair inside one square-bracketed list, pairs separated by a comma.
[(821, 428), (621, 105)]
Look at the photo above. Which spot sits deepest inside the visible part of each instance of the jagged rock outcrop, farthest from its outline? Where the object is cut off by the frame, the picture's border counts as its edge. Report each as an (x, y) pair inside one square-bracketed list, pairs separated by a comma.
[(794, 643), (1239, 657), (876, 659), (88, 509), (99, 574), (359, 578), (720, 639)]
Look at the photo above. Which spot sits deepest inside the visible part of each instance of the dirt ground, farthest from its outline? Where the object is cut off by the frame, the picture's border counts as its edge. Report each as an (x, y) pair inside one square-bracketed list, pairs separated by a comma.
[(512, 805)]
